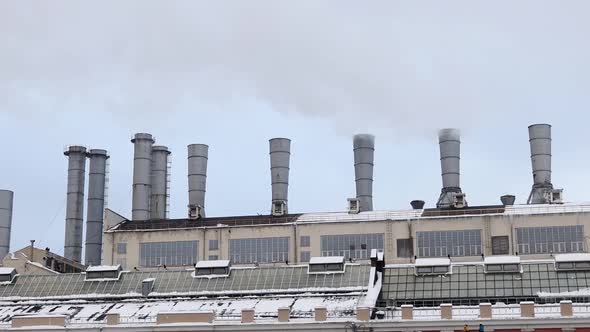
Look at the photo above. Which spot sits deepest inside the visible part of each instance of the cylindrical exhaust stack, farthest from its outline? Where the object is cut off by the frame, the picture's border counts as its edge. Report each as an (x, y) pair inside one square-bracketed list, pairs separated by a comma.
[(417, 204), (75, 202), (450, 152), (540, 143), (507, 200), (198, 155), (97, 168), (159, 196), (6, 202), (142, 170), (364, 152), (280, 154)]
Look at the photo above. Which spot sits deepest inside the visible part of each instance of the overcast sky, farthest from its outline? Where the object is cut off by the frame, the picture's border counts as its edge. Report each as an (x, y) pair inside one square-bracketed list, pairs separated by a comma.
[(233, 74)]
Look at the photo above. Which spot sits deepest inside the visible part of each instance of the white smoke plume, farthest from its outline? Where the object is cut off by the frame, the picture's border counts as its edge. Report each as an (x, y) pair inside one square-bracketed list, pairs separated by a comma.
[(407, 66)]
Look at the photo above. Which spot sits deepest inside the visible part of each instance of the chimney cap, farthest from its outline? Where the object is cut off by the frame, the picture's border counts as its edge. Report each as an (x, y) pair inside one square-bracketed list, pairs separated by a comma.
[(507, 199), (143, 136), (417, 204), (160, 148)]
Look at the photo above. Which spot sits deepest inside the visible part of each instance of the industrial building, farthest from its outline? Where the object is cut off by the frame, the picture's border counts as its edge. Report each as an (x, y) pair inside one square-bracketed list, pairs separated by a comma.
[(420, 269)]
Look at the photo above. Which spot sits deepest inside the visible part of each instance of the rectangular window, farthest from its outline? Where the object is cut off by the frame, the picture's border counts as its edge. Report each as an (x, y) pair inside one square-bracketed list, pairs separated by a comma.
[(213, 245), (554, 239), (304, 256), (213, 257), (404, 248), (259, 250), (355, 246), (305, 241), (500, 245), (176, 253), (121, 248), (454, 243)]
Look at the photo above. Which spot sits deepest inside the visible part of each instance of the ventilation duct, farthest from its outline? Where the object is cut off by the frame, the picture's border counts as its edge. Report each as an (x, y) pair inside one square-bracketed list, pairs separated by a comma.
[(97, 168), (417, 204), (142, 169), (159, 182), (75, 202), (6, 202), (540, 143), (507, 199), (198, 155), (364, 152), (280, 153), (450, 151)]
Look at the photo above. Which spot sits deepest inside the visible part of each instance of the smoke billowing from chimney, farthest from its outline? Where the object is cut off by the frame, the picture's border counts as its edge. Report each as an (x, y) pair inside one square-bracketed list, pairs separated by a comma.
[(364, 153)]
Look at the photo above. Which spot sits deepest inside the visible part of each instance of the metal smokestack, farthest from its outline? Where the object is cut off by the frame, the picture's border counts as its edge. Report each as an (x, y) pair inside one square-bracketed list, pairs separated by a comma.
[(97, 168), (364, 151), (142, 169), (280, 153), (450, 151), (75, 202), (540, 143), (159, 196), (6, 201), (198, 155)]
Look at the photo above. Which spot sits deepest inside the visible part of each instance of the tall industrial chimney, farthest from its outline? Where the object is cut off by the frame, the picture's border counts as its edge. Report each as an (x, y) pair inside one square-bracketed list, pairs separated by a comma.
[(159, 197), (280, 153), (75, 202), (540, 142), (94, 217), (450, 151), (142, 171), (6, 199), (364, 151), (198, 155)]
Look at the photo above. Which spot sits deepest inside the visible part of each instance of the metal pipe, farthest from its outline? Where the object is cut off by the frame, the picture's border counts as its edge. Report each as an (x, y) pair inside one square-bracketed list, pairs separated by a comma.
[(364, 153), (142, 169), (450, 151), (159, 196), (198, 156), (540, 145), (75, 203), (97, 168), (280, 153), (6, 203)]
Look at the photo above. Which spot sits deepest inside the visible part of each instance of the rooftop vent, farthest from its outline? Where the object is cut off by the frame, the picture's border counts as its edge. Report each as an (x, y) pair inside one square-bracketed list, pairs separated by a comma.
[(354, 205), (502, 264), (147, 285), (103, 272), (7, 274), (417, 204), (328, 264), (507, 199), (572, 262), (213, 268), (432, 266)]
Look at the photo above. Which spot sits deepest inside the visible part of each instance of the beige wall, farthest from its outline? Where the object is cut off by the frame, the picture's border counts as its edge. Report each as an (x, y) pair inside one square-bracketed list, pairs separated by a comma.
[(491, 225)]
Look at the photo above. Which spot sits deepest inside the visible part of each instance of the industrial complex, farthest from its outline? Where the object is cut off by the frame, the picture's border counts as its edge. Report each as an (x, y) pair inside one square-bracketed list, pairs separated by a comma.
[(510, 267)]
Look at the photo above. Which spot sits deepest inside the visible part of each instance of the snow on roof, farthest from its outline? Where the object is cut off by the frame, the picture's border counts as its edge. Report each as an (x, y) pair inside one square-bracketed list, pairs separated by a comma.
[(432, 261), (547, 208), (327, 260), (102, 268), (577, 257), (362, 216), (6, 270), (209, 264), (501, 260)]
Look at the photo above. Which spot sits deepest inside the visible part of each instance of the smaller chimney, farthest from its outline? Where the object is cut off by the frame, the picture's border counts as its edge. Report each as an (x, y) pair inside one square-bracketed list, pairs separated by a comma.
[(280, 154), (540, 143), (417, 204), (364, 155), (451, 195), (142, 172), (6, 203), (198, 156), (507, 199), (159, 181)]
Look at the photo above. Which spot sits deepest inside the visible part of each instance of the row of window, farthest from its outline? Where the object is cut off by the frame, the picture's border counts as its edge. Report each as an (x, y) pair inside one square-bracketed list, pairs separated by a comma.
[(530, 240)]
